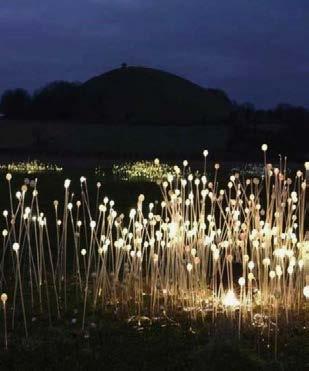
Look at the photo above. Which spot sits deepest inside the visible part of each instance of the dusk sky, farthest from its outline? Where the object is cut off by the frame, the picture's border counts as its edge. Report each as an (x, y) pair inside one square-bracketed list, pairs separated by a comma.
[(255, 50)]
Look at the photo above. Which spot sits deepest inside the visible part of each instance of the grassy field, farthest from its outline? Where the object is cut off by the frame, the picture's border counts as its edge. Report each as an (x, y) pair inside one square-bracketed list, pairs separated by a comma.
[(110, 344), (95, 139)]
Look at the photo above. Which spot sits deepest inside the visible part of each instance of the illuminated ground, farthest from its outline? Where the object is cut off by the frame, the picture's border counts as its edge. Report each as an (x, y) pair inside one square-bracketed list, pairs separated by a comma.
[(103, 337)]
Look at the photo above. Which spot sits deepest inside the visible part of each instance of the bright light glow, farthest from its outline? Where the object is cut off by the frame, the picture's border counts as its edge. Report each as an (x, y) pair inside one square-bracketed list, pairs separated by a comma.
[(306, 291), (67, 183), (29, 167), (16, 246), (179, 251), (230, 300), (4, 298)]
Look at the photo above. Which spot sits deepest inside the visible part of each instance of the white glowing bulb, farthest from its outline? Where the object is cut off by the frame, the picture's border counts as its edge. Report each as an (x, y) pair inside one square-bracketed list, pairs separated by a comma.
[(264, 147), (4, 298), (92, 224), (205, 153), (83, 252), (189, 267), (306, 291), (266, 261), (8, 176), (67, 183), (230, 300), (242, 281), (272, 274), (16, 246), (300, 264)]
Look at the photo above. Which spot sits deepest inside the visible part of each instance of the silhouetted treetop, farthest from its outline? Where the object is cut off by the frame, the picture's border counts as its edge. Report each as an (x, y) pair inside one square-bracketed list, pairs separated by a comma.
[(56, 100)]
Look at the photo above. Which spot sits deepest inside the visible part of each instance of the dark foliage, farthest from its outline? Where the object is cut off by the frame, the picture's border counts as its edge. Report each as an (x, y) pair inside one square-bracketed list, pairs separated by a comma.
[(128, 95), (147, 97), (283, 128), (136, 95), (57, 100), (15, 103), (114, 345)]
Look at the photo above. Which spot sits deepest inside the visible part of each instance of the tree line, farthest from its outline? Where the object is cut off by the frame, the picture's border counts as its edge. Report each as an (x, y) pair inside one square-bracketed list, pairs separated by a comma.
[(62, 100), (56, 100)]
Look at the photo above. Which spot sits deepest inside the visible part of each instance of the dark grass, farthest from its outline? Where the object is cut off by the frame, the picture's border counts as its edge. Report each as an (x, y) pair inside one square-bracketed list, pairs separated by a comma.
[(111, 344)]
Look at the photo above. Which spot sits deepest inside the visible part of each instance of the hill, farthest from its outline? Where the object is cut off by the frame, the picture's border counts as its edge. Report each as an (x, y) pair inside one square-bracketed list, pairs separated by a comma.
[(139, 95)]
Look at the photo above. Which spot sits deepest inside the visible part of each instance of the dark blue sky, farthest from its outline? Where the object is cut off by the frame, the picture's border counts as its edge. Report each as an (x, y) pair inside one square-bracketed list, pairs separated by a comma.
[(256, 50)]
